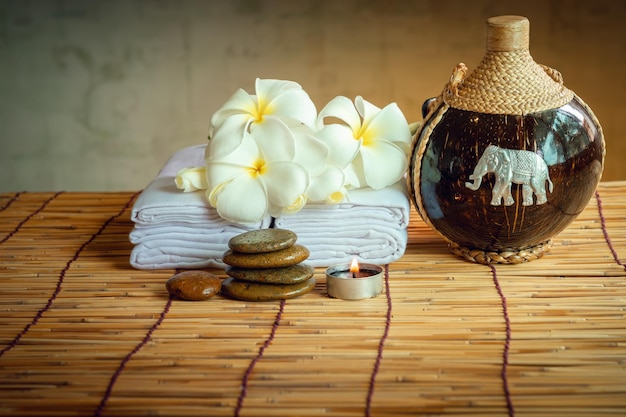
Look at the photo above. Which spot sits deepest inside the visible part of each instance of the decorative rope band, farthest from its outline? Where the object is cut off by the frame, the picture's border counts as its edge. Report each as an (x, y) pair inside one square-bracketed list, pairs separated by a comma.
[(504, 257), (507, 83)]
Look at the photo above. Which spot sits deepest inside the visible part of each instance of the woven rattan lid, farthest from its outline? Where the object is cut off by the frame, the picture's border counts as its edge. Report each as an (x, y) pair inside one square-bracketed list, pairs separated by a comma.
[(507, 80)]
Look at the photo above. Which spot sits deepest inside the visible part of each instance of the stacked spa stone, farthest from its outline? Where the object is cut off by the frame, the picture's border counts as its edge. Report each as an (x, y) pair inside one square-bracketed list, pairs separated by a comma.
[(265, 265)]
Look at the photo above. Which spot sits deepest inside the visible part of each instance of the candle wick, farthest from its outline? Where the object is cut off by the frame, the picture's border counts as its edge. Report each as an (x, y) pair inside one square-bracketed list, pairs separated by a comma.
[(354, 275)]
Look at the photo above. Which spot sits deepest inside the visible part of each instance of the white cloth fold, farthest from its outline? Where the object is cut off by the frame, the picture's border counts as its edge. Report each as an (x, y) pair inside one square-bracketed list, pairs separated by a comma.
[(174, 229), (370, 226)]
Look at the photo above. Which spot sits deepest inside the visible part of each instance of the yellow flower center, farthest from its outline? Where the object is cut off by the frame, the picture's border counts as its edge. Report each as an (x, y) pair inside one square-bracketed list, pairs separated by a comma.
[(261, 110), (334, 198), (257, 115), (258, 168), (366, 134)]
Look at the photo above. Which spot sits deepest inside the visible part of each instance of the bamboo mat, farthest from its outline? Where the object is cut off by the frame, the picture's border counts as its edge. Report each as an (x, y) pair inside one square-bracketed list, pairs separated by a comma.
[(82, 333)]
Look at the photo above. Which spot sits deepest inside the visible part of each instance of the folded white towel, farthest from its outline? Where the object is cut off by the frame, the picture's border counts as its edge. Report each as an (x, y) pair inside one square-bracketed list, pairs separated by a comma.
[(162, 203), (370, 226), (174, 229), (178, 250)]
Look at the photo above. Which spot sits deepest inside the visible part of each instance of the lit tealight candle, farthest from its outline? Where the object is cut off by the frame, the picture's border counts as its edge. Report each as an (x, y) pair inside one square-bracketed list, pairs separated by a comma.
[(354, 281)]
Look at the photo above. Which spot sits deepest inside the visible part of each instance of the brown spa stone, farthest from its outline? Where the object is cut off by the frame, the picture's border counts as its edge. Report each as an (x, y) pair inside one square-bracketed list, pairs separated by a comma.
[(193, 285), (287, 275), (277, 259), (263, 240), (254, 291)]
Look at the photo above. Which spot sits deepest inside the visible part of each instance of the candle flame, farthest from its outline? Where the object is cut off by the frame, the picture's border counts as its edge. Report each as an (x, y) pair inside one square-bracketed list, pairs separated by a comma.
[(354, 266)]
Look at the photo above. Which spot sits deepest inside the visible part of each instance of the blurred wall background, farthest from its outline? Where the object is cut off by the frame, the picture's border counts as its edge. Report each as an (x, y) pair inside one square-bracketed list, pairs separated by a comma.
[(96, 95)]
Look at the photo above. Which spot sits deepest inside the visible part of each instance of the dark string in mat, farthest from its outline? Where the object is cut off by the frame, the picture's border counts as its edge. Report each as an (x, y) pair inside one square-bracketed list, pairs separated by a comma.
[(27, 218), (59, 285), (268, 341), (606, 233), (381, 346), (11, 200), (7, 237), (127, 358), (507, 343)]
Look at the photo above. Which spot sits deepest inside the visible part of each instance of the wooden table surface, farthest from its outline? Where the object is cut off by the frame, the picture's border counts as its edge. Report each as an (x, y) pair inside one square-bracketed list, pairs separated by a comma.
[(83, 333)]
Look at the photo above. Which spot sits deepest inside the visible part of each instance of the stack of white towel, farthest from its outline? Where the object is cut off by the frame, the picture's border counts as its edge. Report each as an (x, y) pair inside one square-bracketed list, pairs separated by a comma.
[(174, 229)]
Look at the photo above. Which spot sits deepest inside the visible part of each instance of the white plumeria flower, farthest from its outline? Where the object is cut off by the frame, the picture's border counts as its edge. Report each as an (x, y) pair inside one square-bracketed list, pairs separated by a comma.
[(373, 144), (274, 100), (259, 177), (265, 157)]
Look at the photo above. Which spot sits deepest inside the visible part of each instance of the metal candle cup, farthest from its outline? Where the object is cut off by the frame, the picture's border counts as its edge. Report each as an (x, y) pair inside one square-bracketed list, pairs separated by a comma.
[(367, 283)]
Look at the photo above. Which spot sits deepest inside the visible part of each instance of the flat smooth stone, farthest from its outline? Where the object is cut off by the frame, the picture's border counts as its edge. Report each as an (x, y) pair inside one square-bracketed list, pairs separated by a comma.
[(286, 257), (287, 275), (263, 240), (193, 285), (254, 291)]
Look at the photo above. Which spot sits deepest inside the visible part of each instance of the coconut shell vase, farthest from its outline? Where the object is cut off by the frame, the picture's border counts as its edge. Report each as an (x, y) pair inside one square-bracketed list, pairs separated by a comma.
[(506, 156)]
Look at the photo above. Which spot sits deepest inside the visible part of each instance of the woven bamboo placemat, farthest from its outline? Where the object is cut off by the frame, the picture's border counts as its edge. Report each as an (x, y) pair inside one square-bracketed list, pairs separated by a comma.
[(83, 333)]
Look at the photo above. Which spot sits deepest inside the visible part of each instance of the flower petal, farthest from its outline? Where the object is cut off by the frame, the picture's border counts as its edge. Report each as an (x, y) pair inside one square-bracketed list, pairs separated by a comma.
[(239, 103), (269, 89), (296, 206), (227, 136), (342, 108), (390, 124), (285, 182), (342, 147), (294, 107), (311, 152), (274, 139), (366, 109), (336, 197), (325, 185), (230, 205), (239, 162), (285, 100), (353, 174), (191, 179), (384, 163)]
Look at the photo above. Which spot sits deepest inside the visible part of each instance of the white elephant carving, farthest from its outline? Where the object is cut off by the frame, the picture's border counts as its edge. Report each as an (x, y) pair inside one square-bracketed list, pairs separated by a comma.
[(512, 166)]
